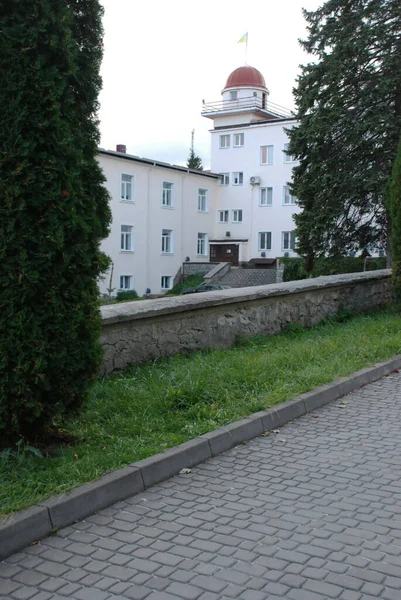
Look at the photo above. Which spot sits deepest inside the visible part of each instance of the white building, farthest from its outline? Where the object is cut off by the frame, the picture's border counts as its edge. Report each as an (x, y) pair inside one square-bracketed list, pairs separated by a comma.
[(161, 213), (242, 210), (254, 207)]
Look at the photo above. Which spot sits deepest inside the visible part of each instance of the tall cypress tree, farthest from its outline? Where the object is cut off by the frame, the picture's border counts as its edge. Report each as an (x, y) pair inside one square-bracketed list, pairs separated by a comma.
[(349, 111), (395, 211), (53, 210)]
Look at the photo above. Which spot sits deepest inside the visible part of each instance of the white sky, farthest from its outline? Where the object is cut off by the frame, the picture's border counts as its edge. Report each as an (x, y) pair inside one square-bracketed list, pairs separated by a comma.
[(161, 58)]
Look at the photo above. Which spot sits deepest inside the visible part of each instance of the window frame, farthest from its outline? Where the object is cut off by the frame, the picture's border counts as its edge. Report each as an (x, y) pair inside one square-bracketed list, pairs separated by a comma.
[(266, 188), (292, 240), (266, 248), (293, 200), (240, 213), (243, 140), (240, 178), (226, 213), (202, 242), (226, 146), (124, 185), (225, 176), (267, 154), (166, 277), (287, 159), (131, 287), (203, 199), (169, 195), (123, 236), (167, 237)]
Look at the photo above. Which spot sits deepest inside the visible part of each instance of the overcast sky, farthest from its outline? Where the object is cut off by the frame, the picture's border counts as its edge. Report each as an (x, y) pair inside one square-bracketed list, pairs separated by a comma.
[(161, 58)]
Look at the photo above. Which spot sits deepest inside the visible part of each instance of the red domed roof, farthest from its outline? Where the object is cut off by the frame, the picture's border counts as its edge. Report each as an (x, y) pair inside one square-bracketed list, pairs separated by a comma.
[(245, 77)]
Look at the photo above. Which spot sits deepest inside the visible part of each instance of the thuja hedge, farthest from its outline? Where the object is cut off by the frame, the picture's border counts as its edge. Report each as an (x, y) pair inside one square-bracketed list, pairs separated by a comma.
[(294, 267), (54, 210)]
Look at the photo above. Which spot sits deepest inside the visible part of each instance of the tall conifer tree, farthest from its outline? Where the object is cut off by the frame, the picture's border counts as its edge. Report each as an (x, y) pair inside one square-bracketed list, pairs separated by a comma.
[(349, 110), (395, 211), (54, 209)]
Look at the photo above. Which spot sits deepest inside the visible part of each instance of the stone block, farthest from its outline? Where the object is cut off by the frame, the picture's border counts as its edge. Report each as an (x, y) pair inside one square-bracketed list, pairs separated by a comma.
[(231, 435), (23, 528), (93, 496), (166, 464)]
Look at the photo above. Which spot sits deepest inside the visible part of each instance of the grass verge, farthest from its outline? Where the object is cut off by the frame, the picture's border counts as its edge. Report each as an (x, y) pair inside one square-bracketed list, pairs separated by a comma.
[(144, 410)]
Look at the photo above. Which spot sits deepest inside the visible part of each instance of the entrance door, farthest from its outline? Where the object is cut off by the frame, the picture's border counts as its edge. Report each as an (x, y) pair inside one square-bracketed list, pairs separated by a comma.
[(224, 253)]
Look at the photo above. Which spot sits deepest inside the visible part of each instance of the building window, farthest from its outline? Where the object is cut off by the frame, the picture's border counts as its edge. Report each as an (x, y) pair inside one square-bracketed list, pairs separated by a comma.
[(127, 187), (287, 157), (237, 216), (238, 140), (127, 241), (266, 155), (224, 141), (167, 196), (202, 244), (166, 282), (126, 282), (223, 216), (266, 196), (233, 95), (202, 200), (287, 197), (288, 240), (238, 178), (167, 241), (265, 240), (224, 178)]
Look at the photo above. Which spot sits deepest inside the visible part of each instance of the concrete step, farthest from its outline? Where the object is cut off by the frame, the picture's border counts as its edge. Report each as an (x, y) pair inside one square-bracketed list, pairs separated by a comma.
[(238, 277)]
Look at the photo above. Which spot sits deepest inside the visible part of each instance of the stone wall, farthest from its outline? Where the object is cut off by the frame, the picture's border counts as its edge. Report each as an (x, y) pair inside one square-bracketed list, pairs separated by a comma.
[(196, 268), (146, 330)]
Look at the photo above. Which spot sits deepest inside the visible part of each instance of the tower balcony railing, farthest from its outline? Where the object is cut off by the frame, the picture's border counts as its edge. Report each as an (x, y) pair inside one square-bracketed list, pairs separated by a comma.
[(250, 102)]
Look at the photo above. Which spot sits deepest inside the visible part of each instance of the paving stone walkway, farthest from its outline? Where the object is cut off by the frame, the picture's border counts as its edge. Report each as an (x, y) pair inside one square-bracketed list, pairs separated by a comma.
[(310, 513)]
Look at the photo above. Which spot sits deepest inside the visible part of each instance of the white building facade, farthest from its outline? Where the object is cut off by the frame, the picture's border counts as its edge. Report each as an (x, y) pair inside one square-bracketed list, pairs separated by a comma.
[(254, 207), (161, 216), (242, 210)]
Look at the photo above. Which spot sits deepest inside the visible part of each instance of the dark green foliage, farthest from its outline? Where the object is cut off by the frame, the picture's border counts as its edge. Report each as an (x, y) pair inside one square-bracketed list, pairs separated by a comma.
[(294, 268), (349, 111), (194, 161), (395, 211), (126, 295), (53, 210)]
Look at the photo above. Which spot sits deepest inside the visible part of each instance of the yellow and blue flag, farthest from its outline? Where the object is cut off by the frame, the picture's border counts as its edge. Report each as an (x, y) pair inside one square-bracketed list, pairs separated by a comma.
[(244, 39)]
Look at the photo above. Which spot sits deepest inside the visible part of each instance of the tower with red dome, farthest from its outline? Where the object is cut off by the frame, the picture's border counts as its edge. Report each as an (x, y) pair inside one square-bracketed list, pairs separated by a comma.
[(248, 149)]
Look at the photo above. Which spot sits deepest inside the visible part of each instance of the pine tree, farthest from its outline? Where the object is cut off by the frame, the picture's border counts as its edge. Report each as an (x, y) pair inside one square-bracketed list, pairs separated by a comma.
[(395, 211), (349, 111), (194, 161), (54, 210)]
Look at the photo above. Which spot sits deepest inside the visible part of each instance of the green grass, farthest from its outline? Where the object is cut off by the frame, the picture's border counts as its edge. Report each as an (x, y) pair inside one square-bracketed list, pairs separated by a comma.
[(139, 412), (190, 282)]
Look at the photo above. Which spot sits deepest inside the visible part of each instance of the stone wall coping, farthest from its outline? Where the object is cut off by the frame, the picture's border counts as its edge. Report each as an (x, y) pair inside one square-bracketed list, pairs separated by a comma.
[(217, 270), (143, 309)]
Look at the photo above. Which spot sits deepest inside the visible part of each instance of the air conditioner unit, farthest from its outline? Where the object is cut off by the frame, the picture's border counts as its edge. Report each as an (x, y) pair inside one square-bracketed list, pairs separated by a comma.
[(286, 254), (254, 180), (263, 254)]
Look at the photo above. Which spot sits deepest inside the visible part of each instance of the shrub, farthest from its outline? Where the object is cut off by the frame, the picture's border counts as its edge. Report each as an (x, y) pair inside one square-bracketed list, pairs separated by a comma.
[(126, 295), (54, 210)]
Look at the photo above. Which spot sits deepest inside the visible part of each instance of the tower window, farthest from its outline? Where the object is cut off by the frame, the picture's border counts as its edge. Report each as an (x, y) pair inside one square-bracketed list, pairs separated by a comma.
[(238, 178), (238, 140), (224, 141), (233, 95)]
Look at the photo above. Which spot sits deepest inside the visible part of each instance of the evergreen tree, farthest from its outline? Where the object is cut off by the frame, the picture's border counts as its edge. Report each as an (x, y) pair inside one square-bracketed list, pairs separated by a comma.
[(194, 161), (349, 111), (395, 211), (54, 210)]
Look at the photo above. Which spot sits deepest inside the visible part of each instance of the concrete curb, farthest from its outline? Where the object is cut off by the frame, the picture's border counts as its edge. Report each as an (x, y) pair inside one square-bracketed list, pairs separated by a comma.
[(37, 522)]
